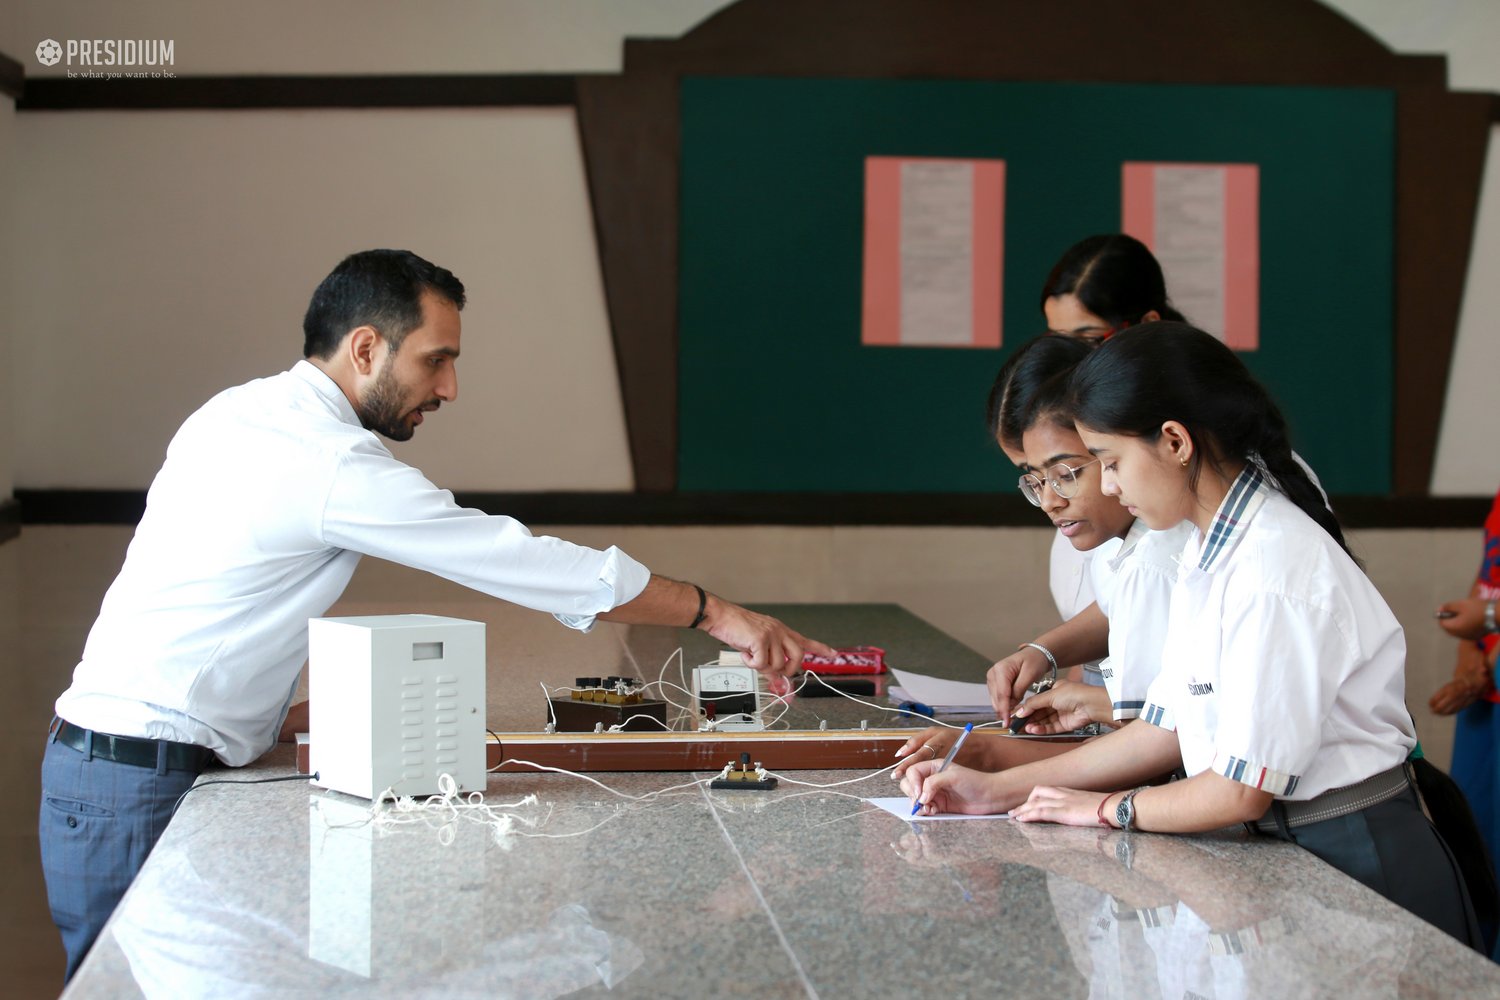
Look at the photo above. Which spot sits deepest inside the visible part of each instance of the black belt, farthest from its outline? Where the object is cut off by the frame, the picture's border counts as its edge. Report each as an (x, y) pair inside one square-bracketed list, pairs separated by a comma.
[(1335, 802), (130, 749)]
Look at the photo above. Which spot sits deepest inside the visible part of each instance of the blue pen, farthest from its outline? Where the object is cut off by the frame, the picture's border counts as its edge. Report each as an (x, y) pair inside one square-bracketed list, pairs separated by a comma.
[(948, 759)]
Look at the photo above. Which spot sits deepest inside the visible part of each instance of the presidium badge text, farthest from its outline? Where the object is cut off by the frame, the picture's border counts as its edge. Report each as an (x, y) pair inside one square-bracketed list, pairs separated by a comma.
[(111, 58)]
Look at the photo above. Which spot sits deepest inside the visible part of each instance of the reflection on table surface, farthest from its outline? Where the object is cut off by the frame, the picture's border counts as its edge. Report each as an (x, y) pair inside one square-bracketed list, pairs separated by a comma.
[(273, 890)]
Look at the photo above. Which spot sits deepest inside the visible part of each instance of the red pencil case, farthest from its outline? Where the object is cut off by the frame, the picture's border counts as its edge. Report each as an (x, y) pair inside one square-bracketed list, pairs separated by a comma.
[(851, 660)]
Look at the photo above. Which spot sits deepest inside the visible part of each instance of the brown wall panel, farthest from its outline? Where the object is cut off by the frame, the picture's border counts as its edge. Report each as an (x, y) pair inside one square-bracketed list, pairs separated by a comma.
[(1441, 140)]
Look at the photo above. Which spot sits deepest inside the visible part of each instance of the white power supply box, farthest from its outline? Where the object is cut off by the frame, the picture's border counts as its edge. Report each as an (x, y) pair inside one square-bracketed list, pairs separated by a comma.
[(396, 701)]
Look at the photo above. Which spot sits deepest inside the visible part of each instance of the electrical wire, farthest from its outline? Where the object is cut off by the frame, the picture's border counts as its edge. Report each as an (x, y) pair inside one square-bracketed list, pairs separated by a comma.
[(241, 781)]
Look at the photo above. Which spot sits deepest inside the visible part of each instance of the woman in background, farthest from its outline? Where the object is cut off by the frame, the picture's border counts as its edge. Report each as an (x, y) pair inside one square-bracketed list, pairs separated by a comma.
[(1471, 695)]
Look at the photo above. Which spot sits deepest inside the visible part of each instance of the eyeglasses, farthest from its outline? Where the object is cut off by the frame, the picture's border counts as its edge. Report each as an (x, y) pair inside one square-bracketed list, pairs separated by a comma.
[(1060, 478)]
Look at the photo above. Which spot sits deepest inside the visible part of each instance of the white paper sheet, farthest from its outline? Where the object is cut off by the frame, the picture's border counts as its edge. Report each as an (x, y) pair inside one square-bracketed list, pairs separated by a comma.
[(948, 697), (1190, 240), (937, 252), (900, 807)]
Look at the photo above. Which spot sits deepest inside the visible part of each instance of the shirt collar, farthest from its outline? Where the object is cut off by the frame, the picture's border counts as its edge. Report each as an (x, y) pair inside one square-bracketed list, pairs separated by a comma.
[(328, 389), (1133, 537), (1246, 494)]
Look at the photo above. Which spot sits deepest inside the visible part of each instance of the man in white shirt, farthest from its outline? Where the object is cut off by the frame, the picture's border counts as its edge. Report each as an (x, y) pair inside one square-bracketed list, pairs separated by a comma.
[(269, 495)]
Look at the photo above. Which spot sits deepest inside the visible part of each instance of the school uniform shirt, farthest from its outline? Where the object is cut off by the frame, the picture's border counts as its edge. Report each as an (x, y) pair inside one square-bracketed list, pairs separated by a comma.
[(1136, 598), (269, 495), (1283, 668), (1072, 583)]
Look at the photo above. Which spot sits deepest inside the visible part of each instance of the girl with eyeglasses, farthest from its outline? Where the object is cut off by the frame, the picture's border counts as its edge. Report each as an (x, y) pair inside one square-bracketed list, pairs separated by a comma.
[(1131, 572), (1100, 285), (1283, 671)]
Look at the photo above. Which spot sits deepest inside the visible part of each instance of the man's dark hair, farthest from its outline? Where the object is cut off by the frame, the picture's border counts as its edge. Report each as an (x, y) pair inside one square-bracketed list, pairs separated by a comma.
[(378, 288)]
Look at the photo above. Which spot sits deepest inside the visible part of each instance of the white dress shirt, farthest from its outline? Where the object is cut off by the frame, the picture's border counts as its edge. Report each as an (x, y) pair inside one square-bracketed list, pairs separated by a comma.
[(269, 495), (1072, 579), (1068, 577), (1283, 667), (1136, 601)]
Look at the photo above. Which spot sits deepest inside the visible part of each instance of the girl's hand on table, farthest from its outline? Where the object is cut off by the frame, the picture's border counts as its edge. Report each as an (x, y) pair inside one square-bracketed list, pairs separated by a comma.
[(1067, 806)]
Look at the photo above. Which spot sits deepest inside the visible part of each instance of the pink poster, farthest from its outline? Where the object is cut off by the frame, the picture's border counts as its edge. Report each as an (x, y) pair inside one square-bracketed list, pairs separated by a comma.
[(1202, 221), (933, 252)]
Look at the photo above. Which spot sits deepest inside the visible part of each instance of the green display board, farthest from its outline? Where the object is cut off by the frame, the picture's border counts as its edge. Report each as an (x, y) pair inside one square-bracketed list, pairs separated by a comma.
[(776, 392)]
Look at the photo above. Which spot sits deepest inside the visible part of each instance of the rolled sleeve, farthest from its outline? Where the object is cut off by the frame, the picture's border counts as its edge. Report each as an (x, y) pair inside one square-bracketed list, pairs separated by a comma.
[(621, 580)]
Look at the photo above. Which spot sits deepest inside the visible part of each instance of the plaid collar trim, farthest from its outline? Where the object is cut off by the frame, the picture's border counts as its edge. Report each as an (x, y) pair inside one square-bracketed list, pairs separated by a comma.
[(1245, 496)]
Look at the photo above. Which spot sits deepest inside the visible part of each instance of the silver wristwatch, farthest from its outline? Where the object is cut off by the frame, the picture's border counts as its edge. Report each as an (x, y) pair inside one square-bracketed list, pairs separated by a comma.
[(1490, 627), (1125, 811)]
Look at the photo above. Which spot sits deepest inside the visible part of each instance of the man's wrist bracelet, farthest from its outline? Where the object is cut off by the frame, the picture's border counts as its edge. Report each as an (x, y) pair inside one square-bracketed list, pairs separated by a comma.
[(1051, 660), (702, 604), (1490, 627)]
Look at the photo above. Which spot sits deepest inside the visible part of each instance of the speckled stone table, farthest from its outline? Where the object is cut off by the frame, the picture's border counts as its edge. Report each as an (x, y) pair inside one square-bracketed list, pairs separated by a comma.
[(670, 889)]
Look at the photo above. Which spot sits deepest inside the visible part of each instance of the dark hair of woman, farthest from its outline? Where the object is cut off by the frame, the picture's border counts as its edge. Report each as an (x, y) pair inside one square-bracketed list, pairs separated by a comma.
[(1141, 378), (1011, 404), (1115, 277)]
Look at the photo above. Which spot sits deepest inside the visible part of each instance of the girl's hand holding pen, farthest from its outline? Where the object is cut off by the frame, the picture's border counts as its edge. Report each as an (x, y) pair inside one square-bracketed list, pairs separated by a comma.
[(957, 790)]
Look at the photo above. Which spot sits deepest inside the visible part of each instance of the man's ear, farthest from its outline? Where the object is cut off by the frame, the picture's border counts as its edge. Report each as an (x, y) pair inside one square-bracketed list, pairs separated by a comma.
[(363, 347)]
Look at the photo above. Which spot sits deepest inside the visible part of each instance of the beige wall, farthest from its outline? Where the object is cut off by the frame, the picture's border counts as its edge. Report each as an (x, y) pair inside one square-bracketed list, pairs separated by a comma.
[(362, 36), (170, 255)]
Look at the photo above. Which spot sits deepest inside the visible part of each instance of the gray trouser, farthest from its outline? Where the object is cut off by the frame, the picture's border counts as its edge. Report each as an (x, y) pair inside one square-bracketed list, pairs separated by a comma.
[(99, 820), (1392, 848)]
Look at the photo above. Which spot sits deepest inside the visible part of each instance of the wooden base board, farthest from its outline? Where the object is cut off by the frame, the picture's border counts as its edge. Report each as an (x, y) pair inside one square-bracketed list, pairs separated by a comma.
[(778, 751)]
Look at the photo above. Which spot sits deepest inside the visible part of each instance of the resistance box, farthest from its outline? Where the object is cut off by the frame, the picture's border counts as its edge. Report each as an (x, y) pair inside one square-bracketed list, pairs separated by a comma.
[(607, 702)]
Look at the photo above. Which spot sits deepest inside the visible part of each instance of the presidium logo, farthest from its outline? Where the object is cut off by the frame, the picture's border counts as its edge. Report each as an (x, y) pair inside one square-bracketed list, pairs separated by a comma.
[(118, 57)]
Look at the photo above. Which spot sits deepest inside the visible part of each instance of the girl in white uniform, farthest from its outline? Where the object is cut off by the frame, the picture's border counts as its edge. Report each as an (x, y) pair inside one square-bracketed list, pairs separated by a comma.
[(1283, 675), (1131, 571), (1100, 285)]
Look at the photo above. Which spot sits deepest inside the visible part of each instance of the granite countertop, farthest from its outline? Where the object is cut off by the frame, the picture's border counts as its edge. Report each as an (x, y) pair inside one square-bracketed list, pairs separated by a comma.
[(676, 890), (276, 890)]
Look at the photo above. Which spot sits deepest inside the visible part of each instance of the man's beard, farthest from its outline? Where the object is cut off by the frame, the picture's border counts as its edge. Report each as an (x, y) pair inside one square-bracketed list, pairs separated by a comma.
[(380, 410)]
